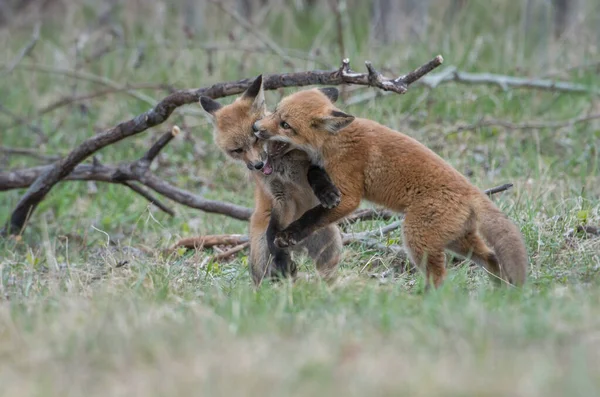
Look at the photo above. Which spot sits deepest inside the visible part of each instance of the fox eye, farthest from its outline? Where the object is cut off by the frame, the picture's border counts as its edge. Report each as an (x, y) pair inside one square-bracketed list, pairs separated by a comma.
[(238, 151), (284, 125)]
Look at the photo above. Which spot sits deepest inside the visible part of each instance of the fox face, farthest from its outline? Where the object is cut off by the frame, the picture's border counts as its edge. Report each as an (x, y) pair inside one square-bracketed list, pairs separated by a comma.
[(234, 133), (304, 120)]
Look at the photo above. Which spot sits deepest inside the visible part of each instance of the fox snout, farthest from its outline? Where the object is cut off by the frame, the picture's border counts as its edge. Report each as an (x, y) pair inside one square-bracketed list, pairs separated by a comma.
[(255, 165), (259, 131)]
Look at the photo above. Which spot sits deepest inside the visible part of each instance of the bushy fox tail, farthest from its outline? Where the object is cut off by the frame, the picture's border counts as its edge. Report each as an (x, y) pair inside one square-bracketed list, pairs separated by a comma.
[(504, 237)]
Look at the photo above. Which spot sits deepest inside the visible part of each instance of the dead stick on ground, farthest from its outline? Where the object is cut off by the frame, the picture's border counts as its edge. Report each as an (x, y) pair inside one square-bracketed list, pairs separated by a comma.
[(159, 113)]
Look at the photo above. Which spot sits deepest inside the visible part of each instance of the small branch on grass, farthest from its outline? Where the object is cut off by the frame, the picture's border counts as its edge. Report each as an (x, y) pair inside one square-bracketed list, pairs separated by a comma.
[(200, 242), (585, 230), (161, 112), (231, 252)]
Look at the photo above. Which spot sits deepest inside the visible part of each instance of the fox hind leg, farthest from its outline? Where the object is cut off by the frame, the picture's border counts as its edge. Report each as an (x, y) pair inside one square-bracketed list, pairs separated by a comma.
[(325, 248)]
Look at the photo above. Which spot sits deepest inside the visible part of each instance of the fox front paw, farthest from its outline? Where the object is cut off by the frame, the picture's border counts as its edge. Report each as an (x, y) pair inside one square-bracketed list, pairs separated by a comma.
[(284, 239), (329, 197)]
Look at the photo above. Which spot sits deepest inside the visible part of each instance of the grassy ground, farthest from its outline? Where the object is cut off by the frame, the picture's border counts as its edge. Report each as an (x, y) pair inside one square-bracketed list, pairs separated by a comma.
[(74, 321)]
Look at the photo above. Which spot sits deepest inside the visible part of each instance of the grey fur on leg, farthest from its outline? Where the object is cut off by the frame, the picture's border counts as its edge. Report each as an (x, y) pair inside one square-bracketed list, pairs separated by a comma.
[(325, 248)]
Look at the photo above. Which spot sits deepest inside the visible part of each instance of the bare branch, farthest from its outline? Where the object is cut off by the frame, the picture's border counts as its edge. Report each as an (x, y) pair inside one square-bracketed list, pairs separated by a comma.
[(123, 174), (375, 79), (451, 74), (35, 36), (158, 114)]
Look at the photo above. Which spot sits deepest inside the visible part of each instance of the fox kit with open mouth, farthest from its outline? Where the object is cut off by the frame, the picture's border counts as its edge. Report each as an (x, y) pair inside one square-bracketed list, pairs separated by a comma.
[(443, 210), (286, 186)]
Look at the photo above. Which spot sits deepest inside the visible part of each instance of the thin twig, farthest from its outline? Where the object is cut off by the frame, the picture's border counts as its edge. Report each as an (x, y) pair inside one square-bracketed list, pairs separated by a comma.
[(148, 196), (29, 152), (23, 121), (71, 99), (25, 51), (231, 251), (160, 112), (243, 22)]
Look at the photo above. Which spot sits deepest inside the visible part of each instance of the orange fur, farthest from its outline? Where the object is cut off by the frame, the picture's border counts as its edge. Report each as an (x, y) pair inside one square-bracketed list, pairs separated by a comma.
[(365, 159)]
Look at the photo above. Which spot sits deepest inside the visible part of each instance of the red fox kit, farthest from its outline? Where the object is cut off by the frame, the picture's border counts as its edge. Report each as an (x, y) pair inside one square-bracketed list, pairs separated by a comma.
[(286, 187), (443, 210)]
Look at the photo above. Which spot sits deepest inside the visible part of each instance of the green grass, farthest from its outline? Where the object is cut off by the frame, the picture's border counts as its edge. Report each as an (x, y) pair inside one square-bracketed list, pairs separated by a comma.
[(75, 320)]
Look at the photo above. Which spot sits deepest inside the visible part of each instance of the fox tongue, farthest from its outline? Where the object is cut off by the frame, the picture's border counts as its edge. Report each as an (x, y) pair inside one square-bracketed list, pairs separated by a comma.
[(267, 168)]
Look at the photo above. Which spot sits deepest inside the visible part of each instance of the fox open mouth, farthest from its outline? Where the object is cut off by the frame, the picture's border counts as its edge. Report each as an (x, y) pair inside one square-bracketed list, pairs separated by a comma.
[(267, 169), (277, 148)]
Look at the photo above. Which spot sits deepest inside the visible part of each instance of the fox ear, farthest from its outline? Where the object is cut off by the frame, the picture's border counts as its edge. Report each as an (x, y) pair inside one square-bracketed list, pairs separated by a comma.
[(335, 121), (210, 105), (330, 92), (256, 93)]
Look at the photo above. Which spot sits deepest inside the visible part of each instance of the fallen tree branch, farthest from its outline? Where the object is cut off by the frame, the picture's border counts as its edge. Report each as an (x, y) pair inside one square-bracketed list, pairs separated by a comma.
[(159, 113), (126, 173)]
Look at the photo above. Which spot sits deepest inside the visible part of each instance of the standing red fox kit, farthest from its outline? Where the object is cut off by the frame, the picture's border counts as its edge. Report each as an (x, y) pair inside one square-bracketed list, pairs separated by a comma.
[(443, 210)]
